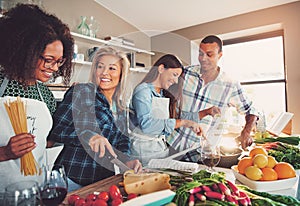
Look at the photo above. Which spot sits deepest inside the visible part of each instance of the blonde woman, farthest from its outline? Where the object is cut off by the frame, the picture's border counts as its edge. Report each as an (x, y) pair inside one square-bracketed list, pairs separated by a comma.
[(86, 121)]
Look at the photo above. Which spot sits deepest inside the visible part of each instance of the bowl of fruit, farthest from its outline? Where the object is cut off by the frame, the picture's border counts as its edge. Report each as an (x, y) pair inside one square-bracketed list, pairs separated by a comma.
[(262, 172)]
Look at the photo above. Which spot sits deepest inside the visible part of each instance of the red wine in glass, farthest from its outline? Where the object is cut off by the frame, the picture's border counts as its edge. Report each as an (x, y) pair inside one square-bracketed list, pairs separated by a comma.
[(53, 196), (211, 161)]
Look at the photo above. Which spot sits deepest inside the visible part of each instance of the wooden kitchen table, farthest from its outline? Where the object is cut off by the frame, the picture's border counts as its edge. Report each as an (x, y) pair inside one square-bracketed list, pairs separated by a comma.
[(102, 185)]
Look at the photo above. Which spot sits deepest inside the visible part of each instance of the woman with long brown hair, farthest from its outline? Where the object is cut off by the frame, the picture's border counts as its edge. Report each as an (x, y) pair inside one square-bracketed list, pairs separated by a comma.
[(155, 113)]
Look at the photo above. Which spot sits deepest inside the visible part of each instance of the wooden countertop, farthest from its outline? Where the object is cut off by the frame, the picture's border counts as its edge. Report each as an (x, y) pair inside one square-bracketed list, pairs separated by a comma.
[(102, 185)]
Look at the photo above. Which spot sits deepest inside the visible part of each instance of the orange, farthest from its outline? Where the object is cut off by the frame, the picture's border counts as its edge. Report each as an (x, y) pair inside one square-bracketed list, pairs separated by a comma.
[(284, 170), (271, 162), (258, 150), (243, 164), (269, 174), (260, 160), (253, 173)]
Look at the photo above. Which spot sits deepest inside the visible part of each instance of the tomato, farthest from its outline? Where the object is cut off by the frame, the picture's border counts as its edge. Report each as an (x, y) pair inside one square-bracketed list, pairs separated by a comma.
[(131, 196), (116, 202), (114, 192), (80, 202), (99, 202), (103, 195), (90, 197), (72, 199)]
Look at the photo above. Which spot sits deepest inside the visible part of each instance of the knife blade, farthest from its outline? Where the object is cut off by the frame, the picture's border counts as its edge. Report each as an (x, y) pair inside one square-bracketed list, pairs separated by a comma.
[(120, 164)]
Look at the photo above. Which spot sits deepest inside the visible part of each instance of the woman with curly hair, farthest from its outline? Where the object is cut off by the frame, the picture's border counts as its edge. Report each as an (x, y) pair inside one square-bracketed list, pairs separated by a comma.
[(35, 46)]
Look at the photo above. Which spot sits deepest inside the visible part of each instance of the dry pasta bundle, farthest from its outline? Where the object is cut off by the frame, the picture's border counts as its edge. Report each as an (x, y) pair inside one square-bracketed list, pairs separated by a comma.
[(17, 115)]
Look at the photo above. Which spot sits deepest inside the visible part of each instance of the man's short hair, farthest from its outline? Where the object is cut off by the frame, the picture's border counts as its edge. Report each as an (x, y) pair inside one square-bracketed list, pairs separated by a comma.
[(213, 39)]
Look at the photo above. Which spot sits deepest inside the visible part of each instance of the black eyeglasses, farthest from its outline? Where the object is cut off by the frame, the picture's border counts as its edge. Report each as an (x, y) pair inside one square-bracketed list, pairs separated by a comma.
[(49, 63)]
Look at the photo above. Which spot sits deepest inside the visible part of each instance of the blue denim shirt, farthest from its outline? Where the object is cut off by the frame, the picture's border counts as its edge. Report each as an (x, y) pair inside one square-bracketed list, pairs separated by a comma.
[(141, 105)]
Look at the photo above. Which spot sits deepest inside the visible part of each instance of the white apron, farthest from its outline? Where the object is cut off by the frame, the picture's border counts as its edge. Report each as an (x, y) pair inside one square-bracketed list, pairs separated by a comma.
[(39, 123), (147, 147)]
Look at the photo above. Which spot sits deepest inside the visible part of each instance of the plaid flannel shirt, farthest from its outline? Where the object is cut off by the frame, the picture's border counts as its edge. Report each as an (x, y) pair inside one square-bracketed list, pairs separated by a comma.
[(84, 113), (222, 92)]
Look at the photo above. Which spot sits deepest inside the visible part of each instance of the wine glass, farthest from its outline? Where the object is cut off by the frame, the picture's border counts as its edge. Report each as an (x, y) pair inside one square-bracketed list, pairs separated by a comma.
[(22, 193), (209, 154), (55, 187)]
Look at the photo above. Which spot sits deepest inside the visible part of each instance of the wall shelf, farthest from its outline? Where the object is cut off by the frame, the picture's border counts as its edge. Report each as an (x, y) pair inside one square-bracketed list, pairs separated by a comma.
[(109, 43)]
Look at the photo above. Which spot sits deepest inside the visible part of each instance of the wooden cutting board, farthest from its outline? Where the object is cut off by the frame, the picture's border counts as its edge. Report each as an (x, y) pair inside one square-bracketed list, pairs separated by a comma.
[(102, 185)]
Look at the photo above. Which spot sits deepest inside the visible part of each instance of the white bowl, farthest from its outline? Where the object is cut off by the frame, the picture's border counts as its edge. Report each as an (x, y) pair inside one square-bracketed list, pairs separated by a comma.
[(264, 186)]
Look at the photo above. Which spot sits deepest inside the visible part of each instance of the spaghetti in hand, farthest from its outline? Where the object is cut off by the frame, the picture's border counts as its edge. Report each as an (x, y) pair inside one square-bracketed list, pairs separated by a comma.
[(17, 114)]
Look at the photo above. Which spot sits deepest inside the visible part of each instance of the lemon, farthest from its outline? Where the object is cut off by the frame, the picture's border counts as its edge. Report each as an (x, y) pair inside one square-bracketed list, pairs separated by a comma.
[(257, 135), (253, 173), (271, 162), (266, 134), (260, 160)]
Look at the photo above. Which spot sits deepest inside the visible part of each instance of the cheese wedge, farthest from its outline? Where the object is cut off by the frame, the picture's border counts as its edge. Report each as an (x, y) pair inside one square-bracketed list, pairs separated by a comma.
[(145, 183)]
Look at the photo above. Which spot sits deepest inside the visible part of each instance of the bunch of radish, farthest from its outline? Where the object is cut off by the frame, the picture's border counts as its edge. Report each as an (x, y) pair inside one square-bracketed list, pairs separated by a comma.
[(219, 191)]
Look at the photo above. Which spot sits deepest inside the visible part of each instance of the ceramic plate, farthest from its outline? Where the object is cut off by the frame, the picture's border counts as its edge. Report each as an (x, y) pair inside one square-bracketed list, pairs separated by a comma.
[(152, 199), (264, 186)]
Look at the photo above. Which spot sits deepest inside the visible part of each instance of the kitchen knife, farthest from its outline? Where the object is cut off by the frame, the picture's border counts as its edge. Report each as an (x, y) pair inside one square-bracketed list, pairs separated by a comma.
[(123, 167)]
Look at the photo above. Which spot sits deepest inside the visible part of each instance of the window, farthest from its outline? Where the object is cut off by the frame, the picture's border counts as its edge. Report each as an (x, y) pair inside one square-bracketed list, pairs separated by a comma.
[(258, 63)]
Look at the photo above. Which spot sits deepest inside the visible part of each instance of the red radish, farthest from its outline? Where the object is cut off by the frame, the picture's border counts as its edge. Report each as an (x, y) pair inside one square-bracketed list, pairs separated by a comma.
[(215, 188), (200, 197), (224, 189), (195, 190), (191, 200), (205, 188), (243, 201), (233, 188), (243, 194), (215, 195), (231, 199)]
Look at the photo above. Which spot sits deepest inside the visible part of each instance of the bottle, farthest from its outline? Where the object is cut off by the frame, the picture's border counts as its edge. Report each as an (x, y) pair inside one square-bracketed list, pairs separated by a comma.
[(93, 26), (83, 28)]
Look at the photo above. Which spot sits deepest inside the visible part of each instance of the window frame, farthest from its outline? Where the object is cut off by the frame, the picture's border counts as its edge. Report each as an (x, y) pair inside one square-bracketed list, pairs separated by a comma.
[(262, 36)]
